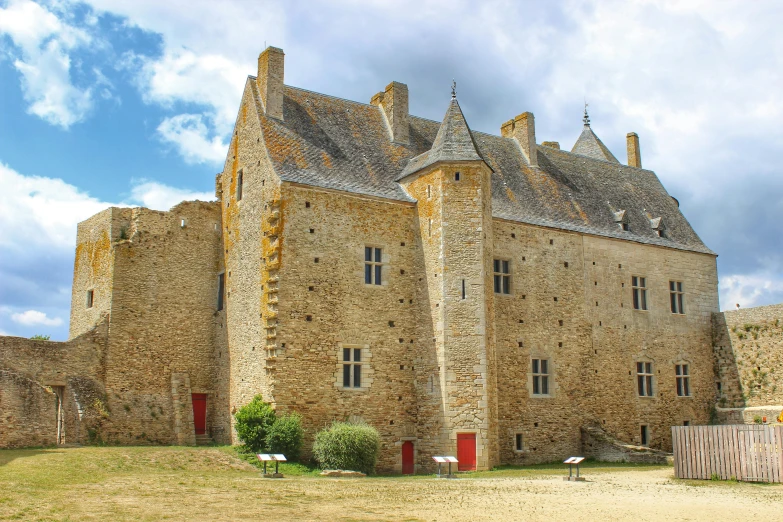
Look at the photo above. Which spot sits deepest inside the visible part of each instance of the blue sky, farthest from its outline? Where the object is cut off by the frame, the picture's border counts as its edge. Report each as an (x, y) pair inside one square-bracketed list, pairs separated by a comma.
[(109, 102)]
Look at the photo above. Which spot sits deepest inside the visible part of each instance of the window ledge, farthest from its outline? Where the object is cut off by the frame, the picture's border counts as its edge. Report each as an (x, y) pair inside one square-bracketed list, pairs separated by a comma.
[(541, 396)]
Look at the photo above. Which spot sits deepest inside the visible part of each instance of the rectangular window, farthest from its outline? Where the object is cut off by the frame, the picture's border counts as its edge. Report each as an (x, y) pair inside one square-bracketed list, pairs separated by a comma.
[(372, 265), (90, 296), (686, 423), (644, 377), (683, 377), (639, 285), (518, 442), (240, 178), (464, 293), (502, 273), (221, 290), (540, 377), (676, 293), (352, 368), (645, 433)]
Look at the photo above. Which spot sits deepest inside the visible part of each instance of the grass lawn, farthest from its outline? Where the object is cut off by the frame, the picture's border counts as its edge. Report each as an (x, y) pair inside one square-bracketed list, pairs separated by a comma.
[(183, 483)]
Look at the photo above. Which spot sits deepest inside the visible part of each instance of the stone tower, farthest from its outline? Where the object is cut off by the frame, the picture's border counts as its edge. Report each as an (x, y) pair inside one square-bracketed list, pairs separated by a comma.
[(451, 183)]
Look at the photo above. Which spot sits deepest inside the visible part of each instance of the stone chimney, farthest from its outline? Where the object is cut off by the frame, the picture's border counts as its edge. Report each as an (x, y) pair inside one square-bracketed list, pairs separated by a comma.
[(523, 129), (270, 81), (394, 102), (632, 144)]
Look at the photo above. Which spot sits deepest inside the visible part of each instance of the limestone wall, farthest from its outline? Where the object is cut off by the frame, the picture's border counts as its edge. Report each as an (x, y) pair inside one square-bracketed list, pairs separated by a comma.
[(32, 371), (253, 232), (164, 322), (324, 305), (748, 347)]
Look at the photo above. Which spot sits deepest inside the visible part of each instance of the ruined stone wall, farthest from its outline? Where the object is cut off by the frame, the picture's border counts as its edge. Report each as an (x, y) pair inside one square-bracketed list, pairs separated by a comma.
[(748, 348), (325, 306), (28, 412), (93, 268), (163, 322), (31, 371), (253, 231)]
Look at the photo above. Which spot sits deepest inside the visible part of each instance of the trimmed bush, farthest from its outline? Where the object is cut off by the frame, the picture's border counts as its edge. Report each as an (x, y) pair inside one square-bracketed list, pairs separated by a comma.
[(253, 421), (347, 446), (285, 436)]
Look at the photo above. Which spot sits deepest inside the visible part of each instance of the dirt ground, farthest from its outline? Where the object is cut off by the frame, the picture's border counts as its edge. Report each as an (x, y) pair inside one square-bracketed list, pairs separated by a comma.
[(212, 484)]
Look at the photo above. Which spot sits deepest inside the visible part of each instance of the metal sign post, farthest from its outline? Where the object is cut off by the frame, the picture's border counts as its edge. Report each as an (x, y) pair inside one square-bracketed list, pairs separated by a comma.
[(277, 458), (571, 461), (441, 460)]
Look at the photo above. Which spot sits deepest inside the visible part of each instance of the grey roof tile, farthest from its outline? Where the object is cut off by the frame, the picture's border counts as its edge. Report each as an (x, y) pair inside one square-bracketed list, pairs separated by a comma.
[(344, 145)]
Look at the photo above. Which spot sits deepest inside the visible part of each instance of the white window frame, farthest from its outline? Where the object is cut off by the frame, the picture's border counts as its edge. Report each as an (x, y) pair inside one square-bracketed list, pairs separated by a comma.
[(375, 265), (676, 297), (645, 377), (502, 268), (519, 442), (639, 288), (682, 379)]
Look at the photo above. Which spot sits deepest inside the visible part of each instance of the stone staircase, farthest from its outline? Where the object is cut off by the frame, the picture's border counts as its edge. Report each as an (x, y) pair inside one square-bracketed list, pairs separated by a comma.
[(204, 440)]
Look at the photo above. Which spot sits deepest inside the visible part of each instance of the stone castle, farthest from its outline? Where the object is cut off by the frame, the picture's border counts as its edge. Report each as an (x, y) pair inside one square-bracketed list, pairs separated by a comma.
[(467, 294)]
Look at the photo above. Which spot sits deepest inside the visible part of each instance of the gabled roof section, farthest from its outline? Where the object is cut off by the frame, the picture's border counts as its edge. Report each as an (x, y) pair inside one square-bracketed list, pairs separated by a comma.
[(329, 142), (591, 146), (454, 142)]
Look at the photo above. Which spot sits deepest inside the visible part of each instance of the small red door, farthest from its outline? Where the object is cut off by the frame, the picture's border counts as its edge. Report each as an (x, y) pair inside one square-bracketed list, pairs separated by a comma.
[(200, 413), (407, 458), (466, 451)]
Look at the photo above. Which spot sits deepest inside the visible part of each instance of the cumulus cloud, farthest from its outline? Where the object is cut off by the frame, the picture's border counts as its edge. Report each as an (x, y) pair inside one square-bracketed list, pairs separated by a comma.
[(158, 196), (190, 136), (34, 318), (38, 218), (43, 43)]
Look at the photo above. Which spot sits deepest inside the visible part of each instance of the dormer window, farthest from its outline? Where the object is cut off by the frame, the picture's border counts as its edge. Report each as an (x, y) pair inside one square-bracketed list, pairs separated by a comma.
[(658, 226), (621, 218)]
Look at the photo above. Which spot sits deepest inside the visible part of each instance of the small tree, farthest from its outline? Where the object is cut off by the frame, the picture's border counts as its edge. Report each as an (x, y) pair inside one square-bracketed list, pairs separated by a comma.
[(285, 436), (347, 446), (253, 421)]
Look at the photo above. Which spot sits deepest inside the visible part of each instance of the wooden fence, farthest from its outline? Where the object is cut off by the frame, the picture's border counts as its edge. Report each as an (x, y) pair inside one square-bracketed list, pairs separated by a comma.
[(743, 452)]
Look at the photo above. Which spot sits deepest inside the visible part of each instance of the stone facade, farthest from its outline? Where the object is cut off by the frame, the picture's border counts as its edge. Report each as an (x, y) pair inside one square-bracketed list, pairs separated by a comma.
[(360, 262), (748, 351)]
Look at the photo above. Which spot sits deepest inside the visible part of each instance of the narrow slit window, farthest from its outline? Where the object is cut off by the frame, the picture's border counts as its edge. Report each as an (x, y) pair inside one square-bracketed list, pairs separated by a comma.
[(676, 297), (373, 265), (518, 442), (221, 290), (456, 176), (90, 297), (540, 368), (639, 285), (352, 367), (645, 435), (240, 179), (683, 378), (644, 379), (464, 294), (502, 276)]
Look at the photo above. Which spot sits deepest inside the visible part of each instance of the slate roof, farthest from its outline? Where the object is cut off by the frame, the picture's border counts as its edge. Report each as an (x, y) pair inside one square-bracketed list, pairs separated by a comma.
[(591, 146), (454, 142), (345, 145)]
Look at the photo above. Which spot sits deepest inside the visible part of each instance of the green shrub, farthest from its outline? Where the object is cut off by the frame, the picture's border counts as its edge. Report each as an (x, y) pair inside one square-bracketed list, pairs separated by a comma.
[(39, 337), (253, 421), (347, 446), (285, 436)]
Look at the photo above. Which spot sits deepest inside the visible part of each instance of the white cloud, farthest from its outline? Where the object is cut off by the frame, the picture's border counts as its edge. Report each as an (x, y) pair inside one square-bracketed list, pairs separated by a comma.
[(38, 219), (158, 196), (34, 317), (190, 136), (750, 290), (44, 44)]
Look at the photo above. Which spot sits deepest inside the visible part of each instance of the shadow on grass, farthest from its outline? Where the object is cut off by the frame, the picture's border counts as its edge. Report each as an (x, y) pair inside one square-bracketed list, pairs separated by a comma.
[(9, 455)]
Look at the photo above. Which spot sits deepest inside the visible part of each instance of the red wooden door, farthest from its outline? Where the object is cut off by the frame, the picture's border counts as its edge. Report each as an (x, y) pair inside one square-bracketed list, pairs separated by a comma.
[(407, 458), (466, 451), (200, 413)]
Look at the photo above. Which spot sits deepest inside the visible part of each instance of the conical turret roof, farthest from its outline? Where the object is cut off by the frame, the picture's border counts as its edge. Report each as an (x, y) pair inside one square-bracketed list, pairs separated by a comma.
[(591, 145), (454, 142)]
